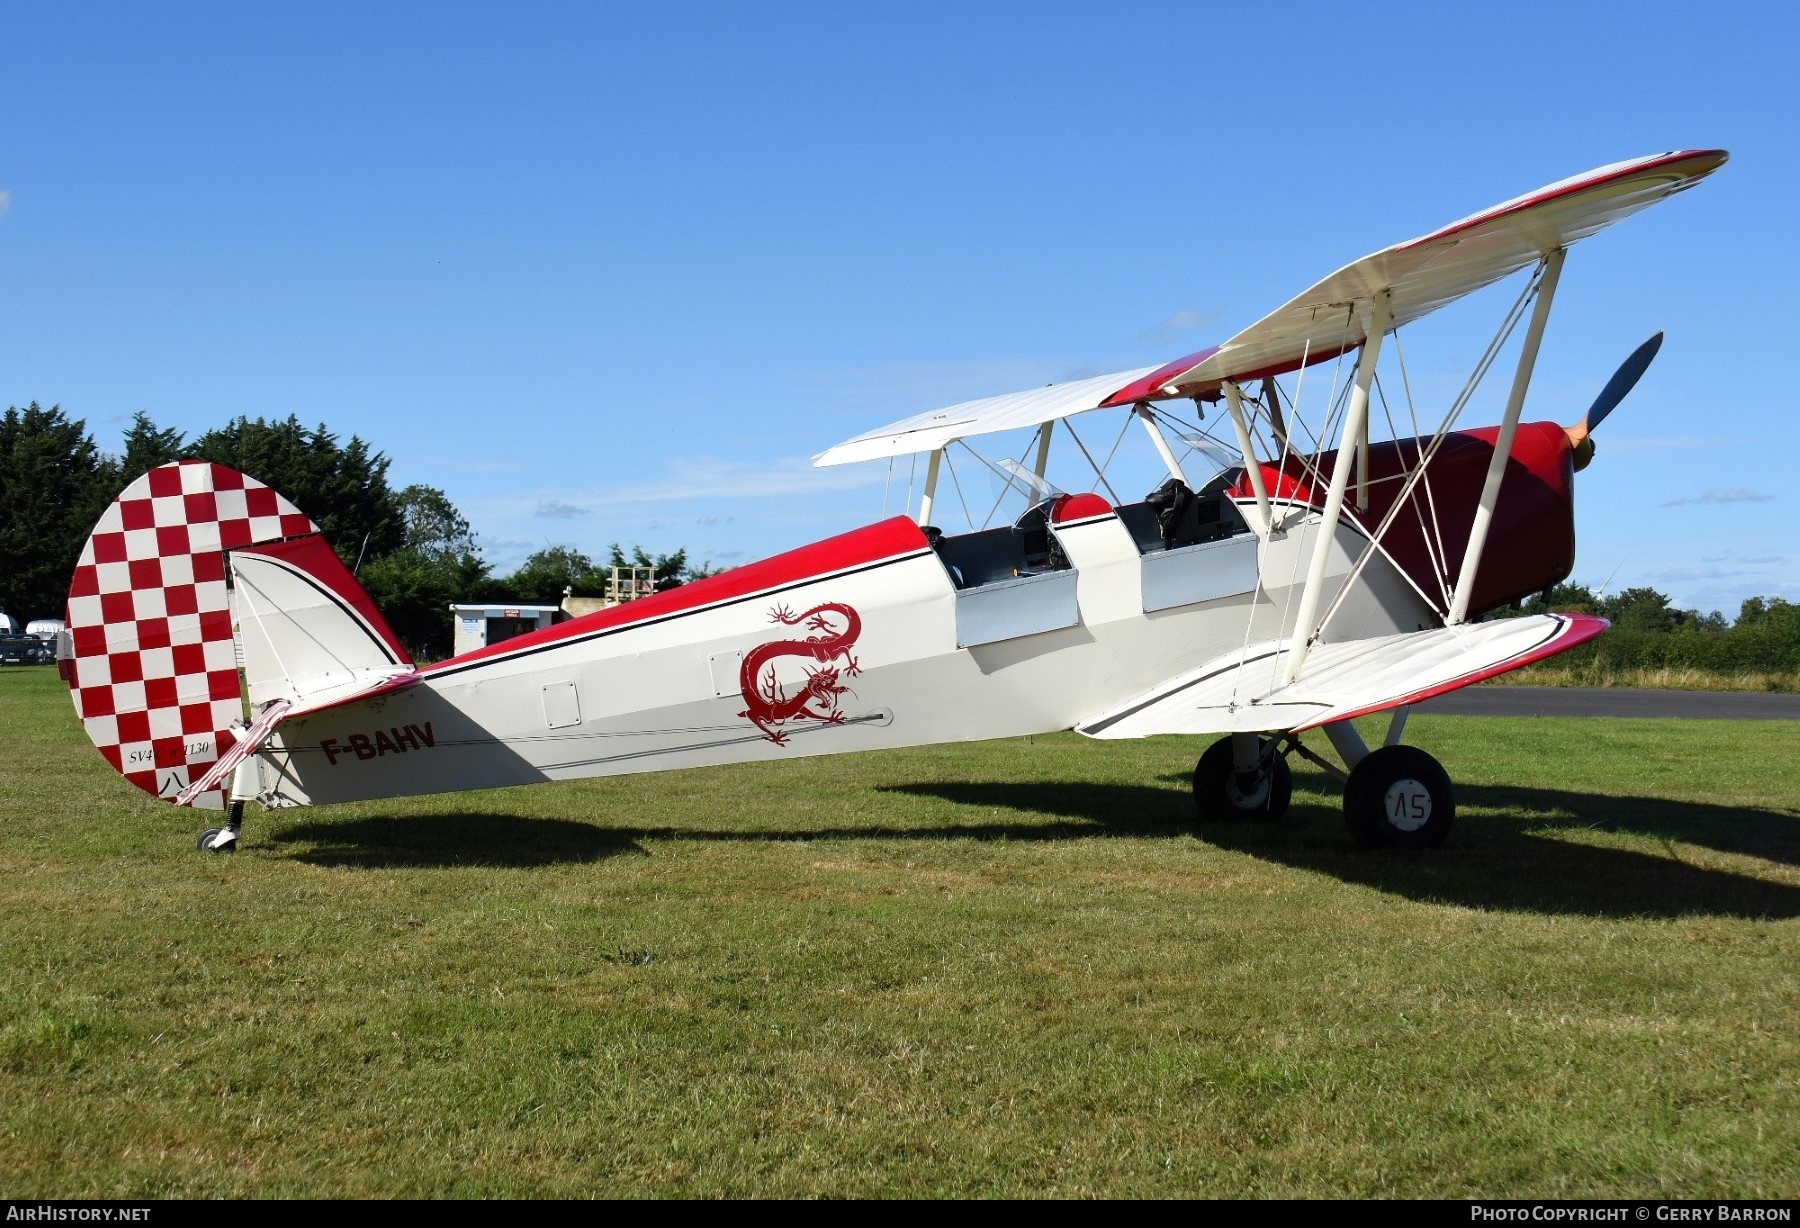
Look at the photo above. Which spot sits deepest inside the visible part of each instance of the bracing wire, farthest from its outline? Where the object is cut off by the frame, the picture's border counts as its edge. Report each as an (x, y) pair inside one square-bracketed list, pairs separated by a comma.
[(1430, 496), (1010, 480), (1331, 415), (959, 490), (1121, 439), (1419, 512), (1099, 474), (1487, 361)]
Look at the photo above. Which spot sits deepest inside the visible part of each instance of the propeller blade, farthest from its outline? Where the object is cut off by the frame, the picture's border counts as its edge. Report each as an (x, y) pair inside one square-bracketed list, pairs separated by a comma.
[(1623, 381)]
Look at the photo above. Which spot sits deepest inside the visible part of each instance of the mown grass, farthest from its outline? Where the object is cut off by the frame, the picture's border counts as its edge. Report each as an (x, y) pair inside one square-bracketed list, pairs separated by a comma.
[(1013, 968)]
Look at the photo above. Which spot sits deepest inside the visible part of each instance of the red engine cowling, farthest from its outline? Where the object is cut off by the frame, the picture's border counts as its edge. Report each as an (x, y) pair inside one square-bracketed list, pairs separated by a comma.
[(1531, 544)]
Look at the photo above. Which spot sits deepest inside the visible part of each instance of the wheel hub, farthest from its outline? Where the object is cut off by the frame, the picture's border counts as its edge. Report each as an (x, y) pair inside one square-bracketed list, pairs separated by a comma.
[(1253, 797), (1407, 804)]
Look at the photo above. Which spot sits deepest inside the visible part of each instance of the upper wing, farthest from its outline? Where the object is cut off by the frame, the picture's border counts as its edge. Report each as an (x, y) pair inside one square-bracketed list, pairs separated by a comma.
[(1428, 272), (933, 429), (1420, 276), (1241, 692)]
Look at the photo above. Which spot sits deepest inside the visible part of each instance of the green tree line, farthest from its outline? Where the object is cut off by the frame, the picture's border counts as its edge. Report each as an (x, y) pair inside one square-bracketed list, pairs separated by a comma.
[(1648, 632), (411, 548)]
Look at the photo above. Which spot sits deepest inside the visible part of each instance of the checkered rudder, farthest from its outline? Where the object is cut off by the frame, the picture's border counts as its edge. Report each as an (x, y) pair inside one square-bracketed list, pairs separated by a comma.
[(154, 674)]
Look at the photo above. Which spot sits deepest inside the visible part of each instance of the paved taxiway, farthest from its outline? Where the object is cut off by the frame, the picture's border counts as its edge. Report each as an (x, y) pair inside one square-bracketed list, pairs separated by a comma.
[(1614, 701)]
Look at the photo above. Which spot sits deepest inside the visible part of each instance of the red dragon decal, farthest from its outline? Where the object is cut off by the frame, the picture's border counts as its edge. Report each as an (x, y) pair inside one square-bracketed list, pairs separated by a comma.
[(833, 628)]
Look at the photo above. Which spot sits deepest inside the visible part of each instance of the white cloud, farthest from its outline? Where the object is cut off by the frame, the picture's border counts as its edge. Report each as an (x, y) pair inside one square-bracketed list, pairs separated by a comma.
[(1722, 496), (1761, 560), (1679, 574), (1187, 323), (698, 477), (881, 393)]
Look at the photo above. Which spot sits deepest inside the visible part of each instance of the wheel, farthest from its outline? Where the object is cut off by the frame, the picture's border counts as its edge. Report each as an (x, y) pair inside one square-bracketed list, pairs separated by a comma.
[(209, 841), (1400, 796), (1220, 794)]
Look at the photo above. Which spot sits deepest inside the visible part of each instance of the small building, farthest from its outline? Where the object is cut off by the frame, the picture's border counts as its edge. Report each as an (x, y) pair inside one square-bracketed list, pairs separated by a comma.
[(477, 626), (626, 583)]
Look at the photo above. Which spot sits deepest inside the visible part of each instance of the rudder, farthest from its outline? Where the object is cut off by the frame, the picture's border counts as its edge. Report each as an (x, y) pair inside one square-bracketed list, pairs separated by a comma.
[(153, 659)]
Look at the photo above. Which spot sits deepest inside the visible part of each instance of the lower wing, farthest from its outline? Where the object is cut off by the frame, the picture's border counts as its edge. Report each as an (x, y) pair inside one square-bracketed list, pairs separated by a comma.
[(1244, 691)]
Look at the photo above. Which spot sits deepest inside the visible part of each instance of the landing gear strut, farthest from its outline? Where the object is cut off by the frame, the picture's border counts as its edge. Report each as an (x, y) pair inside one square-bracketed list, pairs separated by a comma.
[(246, 783), (224, 839), (1242, 777)]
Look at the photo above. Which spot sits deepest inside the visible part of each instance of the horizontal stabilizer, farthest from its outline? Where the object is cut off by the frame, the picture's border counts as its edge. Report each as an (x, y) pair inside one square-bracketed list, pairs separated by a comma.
[(1242, 691)]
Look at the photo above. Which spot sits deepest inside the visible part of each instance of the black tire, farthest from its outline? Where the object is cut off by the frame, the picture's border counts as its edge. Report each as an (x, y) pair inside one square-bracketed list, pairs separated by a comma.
[(1399, 797), (204, 844), (1218, 795)]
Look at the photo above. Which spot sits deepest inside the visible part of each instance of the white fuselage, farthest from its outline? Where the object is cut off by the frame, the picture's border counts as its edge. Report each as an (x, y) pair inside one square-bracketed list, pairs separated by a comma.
[(911, 669)]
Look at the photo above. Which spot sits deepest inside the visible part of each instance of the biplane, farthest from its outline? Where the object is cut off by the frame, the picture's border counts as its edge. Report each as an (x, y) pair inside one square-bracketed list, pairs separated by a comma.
[(1275, 582)]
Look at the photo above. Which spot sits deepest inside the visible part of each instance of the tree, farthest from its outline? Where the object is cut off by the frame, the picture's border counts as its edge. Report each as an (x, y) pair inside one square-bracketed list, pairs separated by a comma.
[(54, 483), (672, 570), (432, 525), (146, 447), (544, 575), (414, 592), (343, 488), (1559, 598), (436, 564), (1641, 609)]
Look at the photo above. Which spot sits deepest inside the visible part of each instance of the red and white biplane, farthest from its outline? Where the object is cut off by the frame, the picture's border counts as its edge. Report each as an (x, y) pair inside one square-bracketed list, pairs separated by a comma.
[(1271, 585)]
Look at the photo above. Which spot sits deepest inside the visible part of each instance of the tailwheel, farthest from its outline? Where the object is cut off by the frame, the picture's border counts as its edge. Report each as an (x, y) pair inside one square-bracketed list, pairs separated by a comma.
[(1259, 790), (1399, 796), (223, 839)]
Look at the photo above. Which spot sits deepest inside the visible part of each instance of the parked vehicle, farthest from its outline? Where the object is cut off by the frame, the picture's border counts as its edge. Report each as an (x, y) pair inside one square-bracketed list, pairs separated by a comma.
[(25, 650), (46, 629)]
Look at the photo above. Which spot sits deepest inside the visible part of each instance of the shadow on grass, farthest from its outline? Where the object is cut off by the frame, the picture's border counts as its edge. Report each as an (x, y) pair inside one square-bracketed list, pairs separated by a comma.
[(453, 840), (1508, 861)]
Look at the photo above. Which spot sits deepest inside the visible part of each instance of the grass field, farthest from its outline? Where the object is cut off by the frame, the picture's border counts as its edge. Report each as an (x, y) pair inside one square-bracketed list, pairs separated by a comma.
[(1013, 968)]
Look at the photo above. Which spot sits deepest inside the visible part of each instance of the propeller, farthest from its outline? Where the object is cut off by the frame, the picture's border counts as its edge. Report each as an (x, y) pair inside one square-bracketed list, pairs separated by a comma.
[(1622, 382)]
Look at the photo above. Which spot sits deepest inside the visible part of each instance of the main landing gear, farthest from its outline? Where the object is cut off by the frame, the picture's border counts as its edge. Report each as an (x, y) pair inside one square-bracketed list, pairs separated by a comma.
[(1243, 776), (1394, 796)]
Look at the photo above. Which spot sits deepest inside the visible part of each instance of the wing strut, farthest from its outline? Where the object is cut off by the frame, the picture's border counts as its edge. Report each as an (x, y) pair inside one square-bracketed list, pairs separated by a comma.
[(1142, 410), (931, 476), (1234, 401), (1509, 425), (1375, 326), (1043, 451)]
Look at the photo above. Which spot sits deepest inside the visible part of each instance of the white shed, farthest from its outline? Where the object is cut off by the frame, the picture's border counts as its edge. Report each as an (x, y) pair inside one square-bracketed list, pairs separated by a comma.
[(480, 625)]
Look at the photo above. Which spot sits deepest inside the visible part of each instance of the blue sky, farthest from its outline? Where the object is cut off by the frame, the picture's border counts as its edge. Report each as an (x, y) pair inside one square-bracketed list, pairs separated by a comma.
[(613, 272)]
